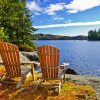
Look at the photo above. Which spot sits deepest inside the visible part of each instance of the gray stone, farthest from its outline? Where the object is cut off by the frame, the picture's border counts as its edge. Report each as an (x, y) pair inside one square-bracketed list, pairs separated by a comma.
[(23, 58), (71, 71), (31, 55)]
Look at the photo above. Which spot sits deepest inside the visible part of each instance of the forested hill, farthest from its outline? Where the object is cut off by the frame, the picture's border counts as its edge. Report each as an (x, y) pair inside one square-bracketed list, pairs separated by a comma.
[(57, 37)]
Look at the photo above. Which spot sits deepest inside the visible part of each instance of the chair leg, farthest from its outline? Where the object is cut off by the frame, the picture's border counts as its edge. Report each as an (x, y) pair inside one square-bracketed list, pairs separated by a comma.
[(3, 78), (64, 76), (37, 84), (59, 88), (62, 81), (33, 72), (19, 84)]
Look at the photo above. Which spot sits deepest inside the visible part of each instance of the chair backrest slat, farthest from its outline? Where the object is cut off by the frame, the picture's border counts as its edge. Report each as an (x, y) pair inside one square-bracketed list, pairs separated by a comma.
[(49, 61), (10, 56)]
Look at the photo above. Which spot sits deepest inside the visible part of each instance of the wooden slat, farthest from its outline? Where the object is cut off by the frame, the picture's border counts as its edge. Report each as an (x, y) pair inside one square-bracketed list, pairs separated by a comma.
[(10, 57), (53, 61), (49, 61), (47, 64)]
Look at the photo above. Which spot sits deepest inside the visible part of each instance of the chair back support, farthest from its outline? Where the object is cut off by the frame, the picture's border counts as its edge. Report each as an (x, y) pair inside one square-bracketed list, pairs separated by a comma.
[(49, 61), (10, 56)]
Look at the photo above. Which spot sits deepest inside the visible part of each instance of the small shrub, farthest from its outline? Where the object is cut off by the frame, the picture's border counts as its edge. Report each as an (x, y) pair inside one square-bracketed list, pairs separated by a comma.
[(26, 48), (3, 34)]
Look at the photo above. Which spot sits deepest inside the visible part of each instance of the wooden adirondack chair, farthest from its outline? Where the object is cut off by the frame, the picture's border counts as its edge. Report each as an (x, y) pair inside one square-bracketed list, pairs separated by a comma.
[(49, 62), (11, 60)]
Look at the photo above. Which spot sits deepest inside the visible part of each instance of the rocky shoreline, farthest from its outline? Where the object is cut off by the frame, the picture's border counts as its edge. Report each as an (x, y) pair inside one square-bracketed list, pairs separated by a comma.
[(86, 80)]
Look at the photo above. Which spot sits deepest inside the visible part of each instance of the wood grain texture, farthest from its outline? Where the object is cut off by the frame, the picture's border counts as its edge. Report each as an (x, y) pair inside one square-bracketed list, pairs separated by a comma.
[(49, 61), (10, 57)]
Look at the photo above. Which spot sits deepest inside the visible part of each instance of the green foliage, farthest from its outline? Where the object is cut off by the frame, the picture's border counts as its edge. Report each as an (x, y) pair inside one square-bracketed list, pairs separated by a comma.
[(3, 35), (94, 35), (27, 48), (70, 88), (16, 20)]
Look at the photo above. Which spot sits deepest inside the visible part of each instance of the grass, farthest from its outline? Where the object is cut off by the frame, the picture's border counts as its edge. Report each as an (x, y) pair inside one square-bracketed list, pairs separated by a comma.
[(69, 91)]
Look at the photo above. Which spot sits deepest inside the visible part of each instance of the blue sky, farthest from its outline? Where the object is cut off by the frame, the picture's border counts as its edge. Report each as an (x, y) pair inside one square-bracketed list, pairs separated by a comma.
[(65, 17)]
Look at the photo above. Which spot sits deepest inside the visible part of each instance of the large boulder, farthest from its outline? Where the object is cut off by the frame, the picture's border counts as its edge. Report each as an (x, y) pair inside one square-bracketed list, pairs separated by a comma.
[(71, 71), (31, 55), (23, 58)]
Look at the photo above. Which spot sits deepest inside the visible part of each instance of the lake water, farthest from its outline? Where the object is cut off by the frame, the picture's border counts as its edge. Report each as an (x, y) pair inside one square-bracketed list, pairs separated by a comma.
[(83, 56)]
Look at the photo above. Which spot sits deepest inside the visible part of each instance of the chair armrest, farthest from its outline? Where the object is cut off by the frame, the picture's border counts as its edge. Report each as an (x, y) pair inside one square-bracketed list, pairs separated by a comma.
[(31, 62), (23, 63), (64, 65)]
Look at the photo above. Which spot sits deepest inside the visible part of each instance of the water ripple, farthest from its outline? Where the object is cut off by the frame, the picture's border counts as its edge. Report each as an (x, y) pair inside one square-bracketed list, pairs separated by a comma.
[(83, 56)]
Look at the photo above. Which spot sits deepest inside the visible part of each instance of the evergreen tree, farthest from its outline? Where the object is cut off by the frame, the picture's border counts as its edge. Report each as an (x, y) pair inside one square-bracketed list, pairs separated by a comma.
[(15, 18), (94, 35)]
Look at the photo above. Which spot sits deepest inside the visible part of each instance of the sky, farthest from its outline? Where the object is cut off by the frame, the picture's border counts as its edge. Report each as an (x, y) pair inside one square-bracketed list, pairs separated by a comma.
[(65, 17)]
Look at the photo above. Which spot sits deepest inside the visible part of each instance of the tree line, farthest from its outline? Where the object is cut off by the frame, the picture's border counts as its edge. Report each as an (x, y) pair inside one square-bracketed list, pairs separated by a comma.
[(94, 35), (57, 37), (15, 24)]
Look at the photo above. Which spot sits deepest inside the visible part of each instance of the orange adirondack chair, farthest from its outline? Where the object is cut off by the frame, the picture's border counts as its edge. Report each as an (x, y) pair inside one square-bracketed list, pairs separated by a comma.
[(49, 62), (11, 60)]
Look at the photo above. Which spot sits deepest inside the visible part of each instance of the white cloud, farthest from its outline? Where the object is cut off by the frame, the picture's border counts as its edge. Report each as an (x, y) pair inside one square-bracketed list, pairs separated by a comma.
[(54, 7), (33, 6), (69, 24), (68, 21), (81, 5), (58, 18), (73, 7), (72, 11)]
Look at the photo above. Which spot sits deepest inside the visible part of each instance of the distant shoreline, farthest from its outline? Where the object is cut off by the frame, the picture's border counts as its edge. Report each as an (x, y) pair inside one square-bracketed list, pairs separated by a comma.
[(57, 37), (61, 40), (68, 40)]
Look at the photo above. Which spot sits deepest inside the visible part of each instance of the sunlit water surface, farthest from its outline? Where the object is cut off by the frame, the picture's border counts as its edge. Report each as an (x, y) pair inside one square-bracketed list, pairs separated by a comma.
[(83, 56)]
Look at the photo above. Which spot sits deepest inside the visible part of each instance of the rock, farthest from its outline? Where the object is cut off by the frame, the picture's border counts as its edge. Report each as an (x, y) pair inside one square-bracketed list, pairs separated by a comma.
[(31, 55), (22, 58), (71, 71)]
